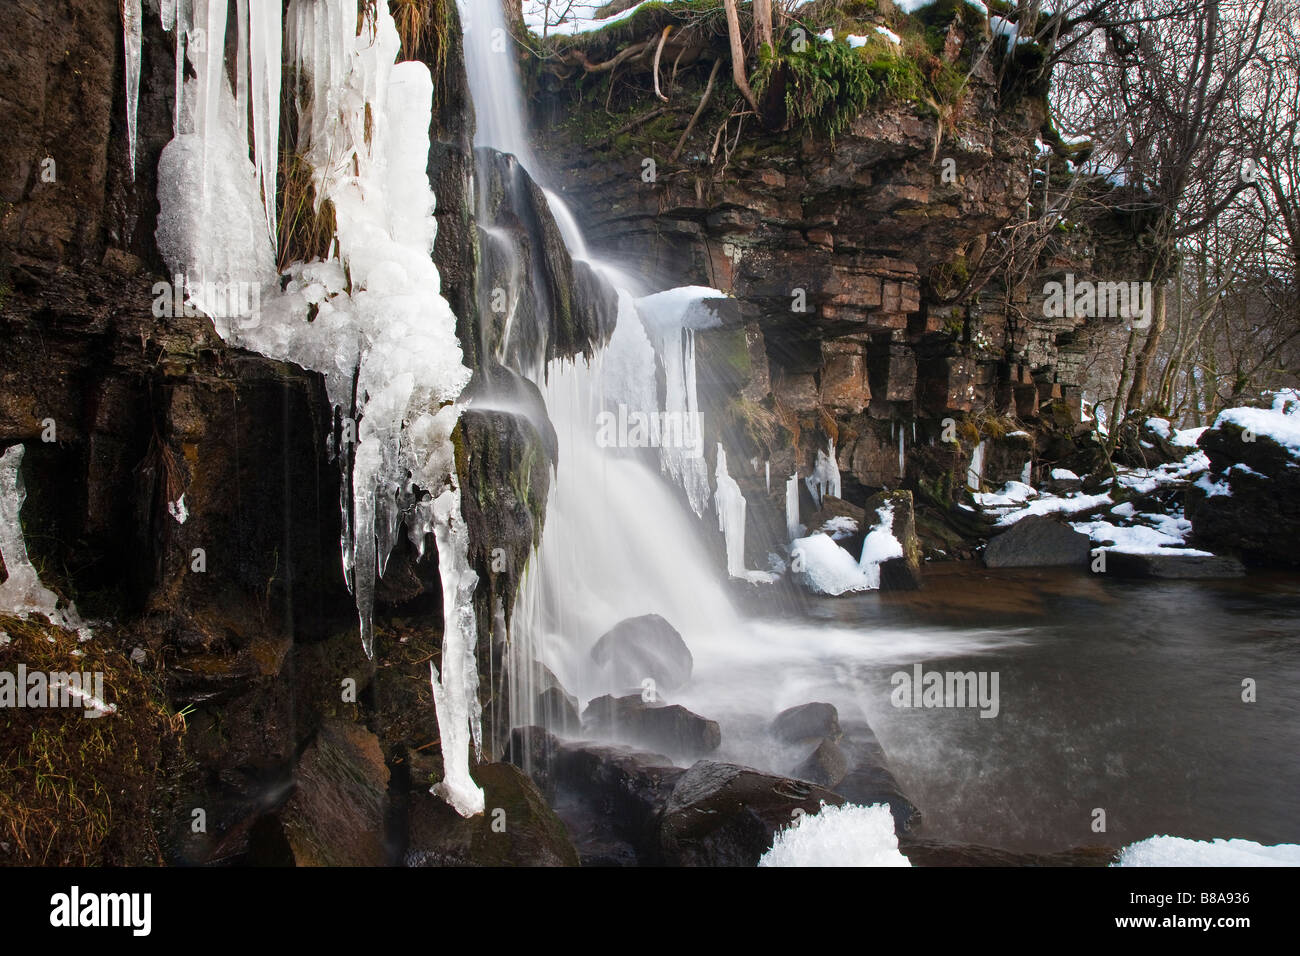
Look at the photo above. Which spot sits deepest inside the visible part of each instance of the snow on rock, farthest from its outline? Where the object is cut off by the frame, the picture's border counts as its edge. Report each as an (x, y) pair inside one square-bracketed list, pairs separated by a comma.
[(1140, 539), (826, 568), (1051, 505), (1063, 474), (849, 835), (841, 526), (1277, 423), (890, 35), (1177, 851)]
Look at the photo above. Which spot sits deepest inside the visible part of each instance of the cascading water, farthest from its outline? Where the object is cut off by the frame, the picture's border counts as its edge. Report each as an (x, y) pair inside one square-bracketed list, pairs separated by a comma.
[(619, 538)]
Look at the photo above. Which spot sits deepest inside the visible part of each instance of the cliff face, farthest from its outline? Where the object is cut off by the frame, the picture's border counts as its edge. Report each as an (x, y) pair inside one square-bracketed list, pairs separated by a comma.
[(240, 613), (846, 256)]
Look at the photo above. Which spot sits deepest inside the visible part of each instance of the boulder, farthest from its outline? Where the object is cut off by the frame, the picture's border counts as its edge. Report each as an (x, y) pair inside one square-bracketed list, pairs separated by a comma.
[(336, 814), (558, 712), (833, 518), (1175, 565), (942, 853), (517, 828), (667, 727), (1039, 541), (644, 647), (807, 722), (903, 573), (723, 814), (1249, 501), (826, 766), (870, 781)]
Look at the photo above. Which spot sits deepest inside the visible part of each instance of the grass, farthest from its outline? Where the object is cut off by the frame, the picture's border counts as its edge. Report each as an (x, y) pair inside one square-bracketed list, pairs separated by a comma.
[(77, 791), (306, 230)]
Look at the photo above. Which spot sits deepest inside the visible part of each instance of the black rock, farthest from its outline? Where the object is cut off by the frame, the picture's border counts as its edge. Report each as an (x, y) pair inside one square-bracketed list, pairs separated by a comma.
[(825, 766), (807, 722), (1173, 565), (668, 727), (1039, 541), (726, 815), (644, 647), (558, 711)]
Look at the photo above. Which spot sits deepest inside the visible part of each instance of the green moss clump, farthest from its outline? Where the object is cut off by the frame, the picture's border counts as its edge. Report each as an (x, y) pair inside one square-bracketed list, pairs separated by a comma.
[(828, 85)]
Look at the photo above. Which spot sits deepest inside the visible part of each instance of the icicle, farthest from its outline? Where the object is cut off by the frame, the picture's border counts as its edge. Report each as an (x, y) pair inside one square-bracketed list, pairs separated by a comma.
[(131, 17), (168, 12), (213, 74), (731, 507), (264, 43), (901, 459), (793, 529), (241, 68), (975, 474), (825, 479), (455, 695), (767, 476)]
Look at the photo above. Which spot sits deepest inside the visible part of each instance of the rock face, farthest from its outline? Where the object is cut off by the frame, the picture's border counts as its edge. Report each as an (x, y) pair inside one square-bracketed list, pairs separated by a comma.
[(336, 814), (667, 727), (1249, 503), (726, 815), (641, 648), (903, 573), (517, 828), (1038, 541)]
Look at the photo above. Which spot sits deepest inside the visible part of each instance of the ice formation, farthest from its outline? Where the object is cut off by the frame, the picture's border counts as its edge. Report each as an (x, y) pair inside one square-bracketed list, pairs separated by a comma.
[(880, 545), (849, 835), (371, 318), (131, 24), (731, 505), (825, 479), (22, 592), (792, 526)]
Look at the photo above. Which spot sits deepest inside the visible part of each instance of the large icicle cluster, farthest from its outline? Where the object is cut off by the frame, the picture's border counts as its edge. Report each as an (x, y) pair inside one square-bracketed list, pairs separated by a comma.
[(371, 318)]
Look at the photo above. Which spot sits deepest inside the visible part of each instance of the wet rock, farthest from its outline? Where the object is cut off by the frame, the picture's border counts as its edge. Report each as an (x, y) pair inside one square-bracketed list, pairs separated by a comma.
[(644, 647), (1038, 541), (558, 711), (941, 853), (807, 722), (826, 766), (517, 828), (870, 781), (336, 814), (609, 798), (668, 727), (1173, 566), (726, 815), (898, 574)]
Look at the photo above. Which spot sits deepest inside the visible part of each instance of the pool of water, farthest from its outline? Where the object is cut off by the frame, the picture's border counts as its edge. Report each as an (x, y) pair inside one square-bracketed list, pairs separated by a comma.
[(1119, 696)]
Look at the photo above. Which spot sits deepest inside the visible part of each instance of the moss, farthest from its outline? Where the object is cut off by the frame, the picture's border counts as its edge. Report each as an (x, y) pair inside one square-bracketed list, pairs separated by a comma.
[(828, 85), (76, 791)]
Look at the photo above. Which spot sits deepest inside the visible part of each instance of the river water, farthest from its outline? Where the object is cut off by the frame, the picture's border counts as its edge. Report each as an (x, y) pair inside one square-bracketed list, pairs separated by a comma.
[(1115, 695)]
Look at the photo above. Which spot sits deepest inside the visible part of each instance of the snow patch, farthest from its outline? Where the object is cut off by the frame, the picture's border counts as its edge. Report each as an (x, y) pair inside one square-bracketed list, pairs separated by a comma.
[(1178, 851)]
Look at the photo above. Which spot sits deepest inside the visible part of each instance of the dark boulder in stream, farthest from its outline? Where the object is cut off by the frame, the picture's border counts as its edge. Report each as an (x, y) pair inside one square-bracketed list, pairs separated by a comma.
[(723, 814), (644, 648), (667, 727), (807, 722)]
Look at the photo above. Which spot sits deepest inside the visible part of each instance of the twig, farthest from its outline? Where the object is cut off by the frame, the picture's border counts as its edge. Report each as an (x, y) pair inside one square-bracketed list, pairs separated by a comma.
[(659, 52), (699, 111)]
